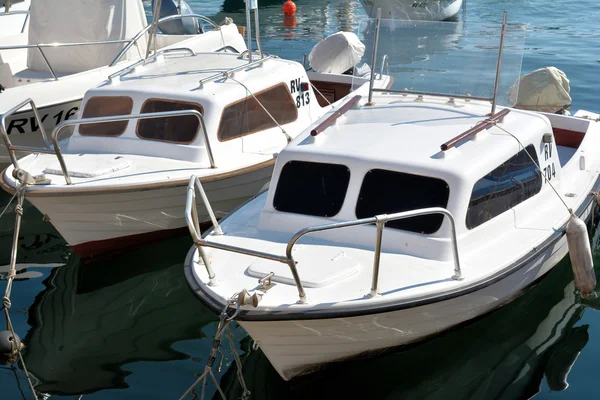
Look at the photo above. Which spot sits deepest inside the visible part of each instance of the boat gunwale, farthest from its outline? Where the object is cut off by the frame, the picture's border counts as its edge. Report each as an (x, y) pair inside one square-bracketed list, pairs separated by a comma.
[(245, 315)]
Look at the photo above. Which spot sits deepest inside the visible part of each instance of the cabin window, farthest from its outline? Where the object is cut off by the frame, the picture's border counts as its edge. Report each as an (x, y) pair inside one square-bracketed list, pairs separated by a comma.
[(247, 116), (106, 106), (511, 183), (387, 192), (181, 129), (311, 188)]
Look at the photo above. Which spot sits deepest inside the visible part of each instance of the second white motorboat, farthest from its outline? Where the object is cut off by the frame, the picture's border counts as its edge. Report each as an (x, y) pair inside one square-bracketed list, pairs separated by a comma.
[(120, 179), (403, 213)]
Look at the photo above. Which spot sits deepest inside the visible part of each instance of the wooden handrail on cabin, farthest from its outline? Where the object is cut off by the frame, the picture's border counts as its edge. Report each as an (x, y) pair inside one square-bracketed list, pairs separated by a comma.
[(476, 129), (336, 114)]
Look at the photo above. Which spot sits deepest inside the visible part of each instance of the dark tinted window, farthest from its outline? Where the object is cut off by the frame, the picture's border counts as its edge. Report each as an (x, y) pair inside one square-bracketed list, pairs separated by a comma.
[(247, 116), (182, 129), (106, 106), (387, 192), (311, 188), (511, 183)]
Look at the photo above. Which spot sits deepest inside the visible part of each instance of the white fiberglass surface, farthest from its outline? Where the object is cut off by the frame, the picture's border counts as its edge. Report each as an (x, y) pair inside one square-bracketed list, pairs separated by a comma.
[(446, 57)]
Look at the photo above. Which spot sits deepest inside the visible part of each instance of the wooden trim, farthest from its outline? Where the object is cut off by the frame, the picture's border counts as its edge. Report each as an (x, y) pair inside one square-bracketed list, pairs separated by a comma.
[(196, 107), (291, 99), (336, 114), (486, 123), (76, 190)]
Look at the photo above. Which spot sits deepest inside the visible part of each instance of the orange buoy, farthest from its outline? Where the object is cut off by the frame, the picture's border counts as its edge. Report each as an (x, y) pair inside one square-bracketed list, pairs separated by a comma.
[(289, 8)]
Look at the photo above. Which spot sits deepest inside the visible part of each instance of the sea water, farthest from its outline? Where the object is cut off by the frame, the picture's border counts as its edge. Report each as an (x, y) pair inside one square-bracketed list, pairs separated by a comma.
[(130, 328)]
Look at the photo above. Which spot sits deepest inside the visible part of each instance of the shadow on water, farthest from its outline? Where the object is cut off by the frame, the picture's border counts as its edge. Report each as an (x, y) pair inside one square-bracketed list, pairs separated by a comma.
[(94, 318), (504, 355)]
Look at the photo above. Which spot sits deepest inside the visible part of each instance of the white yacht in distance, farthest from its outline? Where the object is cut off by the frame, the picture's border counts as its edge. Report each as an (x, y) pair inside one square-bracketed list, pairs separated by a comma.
[(427, 10), (120, 180), (73, 45), (402, 213)]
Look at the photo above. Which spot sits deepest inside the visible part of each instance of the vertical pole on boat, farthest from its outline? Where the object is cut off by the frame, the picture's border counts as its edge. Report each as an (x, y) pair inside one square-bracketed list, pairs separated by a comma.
[(375, 283), (374, 59), (153, 29), (249, 27), (499, 64), (257, 26)]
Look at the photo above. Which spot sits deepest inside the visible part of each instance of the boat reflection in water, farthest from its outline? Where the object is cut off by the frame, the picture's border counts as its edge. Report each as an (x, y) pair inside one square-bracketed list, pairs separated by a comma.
[(94, 318), (504, 355)]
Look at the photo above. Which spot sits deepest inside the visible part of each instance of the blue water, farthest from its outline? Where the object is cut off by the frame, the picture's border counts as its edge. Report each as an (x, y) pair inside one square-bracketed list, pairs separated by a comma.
[(129, 328)]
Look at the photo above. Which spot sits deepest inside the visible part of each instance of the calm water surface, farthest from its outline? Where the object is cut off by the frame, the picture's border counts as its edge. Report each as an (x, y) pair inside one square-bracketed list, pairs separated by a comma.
[(129, 328)]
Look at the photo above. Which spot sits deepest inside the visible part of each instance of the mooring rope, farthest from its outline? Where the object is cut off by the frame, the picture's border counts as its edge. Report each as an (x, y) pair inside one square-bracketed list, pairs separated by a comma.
[(12, 272), (223, 327)]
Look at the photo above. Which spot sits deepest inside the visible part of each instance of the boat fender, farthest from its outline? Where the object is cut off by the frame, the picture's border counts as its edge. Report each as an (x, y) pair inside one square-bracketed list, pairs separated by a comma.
[(8, 345), (245, 299), (580, 253), (563, 358)]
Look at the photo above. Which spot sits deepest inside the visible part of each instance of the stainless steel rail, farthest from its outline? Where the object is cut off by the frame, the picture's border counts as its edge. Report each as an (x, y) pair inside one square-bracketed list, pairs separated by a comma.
[(54, 148), (145, 60), (230, 71), (129, 42), (191, 217)]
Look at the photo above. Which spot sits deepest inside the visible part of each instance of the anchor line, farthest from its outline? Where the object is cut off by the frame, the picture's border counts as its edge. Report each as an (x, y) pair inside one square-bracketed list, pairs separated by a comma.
[(225, 318), (6, 303)]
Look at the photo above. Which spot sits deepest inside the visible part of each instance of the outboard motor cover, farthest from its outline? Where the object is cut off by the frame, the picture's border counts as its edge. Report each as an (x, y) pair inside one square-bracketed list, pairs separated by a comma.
[(337, 53), (183, 26), (545, 89)]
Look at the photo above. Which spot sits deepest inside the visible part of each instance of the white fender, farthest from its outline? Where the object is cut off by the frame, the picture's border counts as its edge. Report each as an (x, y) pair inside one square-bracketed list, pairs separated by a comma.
[(581, 256)]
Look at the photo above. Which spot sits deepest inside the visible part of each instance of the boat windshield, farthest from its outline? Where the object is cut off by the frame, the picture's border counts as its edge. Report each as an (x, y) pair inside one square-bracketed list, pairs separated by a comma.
[(449, 58)]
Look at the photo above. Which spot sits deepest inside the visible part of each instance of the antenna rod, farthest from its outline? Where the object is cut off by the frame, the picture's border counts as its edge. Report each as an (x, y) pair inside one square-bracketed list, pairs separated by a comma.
[(499, 65), (249, 24), (374, 60), (257, 30)]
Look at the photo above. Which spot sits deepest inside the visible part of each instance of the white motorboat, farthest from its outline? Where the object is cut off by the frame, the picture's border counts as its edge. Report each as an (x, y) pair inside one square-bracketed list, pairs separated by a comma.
[(14, 17), (428, 10), (402, 213), (72, 46), (120, 179)]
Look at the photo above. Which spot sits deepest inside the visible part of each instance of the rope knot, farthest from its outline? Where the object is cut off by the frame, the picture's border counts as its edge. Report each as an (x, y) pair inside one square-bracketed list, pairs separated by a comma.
[(6, 302), (19, 209)]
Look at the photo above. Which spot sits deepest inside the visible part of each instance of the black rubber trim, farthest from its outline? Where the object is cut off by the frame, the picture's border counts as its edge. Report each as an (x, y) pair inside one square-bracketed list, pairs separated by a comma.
[(246, 315)]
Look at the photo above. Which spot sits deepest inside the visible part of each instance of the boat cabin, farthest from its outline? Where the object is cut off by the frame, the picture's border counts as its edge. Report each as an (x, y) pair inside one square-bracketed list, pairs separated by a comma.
[(232, 115), (373, 161)]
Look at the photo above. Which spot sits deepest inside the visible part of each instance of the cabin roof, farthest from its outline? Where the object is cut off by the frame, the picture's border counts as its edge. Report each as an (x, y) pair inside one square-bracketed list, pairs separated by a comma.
[(177, 76), (399, 133)]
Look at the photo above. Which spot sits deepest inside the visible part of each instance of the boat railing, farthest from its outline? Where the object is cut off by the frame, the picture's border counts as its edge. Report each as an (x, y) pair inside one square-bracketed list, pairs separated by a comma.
[(191, 217), (19, 12), (228, 72), (128, 42), (52, 146)]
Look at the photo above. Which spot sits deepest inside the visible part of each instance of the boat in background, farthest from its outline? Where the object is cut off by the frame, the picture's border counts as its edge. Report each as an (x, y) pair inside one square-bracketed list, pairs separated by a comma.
[(425, 10), (423, 209), (72, 46), (14, 17)]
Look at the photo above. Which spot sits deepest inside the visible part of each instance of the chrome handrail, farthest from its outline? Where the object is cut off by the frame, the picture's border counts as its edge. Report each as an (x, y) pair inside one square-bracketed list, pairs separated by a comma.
[(55, 148), (191, 217), (153, 56), (130, 42), (230, 71)]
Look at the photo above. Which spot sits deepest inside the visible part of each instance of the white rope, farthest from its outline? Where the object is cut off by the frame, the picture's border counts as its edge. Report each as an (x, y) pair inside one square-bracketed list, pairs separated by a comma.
[(223, 327), (317, 90), (8, 204), (6, 303)]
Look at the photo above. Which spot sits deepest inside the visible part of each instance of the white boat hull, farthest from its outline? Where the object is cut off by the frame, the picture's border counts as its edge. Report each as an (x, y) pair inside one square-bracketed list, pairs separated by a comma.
[(99, 223), (427, 10), (298, 347)]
